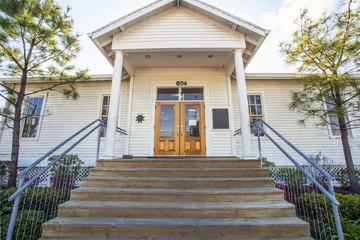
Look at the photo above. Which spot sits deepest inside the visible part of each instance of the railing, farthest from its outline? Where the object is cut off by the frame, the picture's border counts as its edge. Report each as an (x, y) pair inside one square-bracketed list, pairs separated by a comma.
[(237, 132), (35, 202), (306, 187)]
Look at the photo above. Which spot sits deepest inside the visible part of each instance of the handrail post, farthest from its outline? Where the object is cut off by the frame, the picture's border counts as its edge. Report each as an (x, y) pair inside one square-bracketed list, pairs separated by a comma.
[(98, 140), (336, 214), (259, 143), (15, 209)]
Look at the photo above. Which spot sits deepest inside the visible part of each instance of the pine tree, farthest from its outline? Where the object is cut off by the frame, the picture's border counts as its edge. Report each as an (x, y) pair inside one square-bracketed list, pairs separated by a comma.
[(37, 41), (327, 53)]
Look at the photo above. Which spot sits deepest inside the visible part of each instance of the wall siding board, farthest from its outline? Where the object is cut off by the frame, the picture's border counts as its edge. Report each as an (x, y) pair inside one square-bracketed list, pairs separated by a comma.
[(309, 138), (144, 80), (65, 118), (178, 27)]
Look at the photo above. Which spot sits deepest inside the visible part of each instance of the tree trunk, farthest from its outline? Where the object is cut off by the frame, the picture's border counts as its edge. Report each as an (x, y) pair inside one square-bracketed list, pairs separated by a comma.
[(16, 133), (354, 183)]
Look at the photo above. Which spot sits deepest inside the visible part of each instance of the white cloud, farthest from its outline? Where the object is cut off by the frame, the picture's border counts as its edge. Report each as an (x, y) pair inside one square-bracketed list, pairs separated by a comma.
[(283, 18)]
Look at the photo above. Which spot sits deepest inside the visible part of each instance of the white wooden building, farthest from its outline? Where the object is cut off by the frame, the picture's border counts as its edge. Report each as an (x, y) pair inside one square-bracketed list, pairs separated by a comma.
[(181, 65)]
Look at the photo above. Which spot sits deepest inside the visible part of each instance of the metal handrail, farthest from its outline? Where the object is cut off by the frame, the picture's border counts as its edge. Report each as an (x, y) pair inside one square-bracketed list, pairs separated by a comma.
[(21, 186), (330, 194), (237, 132)]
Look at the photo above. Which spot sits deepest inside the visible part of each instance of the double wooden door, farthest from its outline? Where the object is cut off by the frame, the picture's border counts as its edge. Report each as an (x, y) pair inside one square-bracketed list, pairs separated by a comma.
[(179, 128)]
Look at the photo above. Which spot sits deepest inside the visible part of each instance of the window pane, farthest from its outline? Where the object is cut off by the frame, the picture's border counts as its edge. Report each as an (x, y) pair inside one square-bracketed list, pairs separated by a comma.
[(258, 99), (167, 121), (251, 99), (32, 114), (252, 110), (334, 123), (192, 121), (192, 94), (258, 110), (105, 112), (168, 94)]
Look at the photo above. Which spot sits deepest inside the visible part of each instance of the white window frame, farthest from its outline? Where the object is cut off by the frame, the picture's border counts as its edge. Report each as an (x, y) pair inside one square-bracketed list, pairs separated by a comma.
[(101, 97), (100, 108), (36, 138), (351, 134), (263, 107)]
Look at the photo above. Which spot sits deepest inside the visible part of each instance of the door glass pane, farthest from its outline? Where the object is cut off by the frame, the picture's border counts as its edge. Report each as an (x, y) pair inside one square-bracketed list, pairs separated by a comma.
[(192, 94), (192, 121), (167, 121), (167, 94)]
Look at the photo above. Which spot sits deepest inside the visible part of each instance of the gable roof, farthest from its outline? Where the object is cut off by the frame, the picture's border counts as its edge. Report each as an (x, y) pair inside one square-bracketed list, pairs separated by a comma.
[(254, 34)]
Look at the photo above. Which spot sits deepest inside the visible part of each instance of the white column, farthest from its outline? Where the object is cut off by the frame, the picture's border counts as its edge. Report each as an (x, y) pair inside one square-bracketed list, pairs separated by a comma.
[(243, 105), (114, 106)]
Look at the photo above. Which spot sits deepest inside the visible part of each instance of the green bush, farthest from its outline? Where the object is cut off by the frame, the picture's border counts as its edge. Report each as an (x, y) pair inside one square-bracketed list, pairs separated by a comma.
[(266, 163), (351, 228), (37, 204), (65, 171), (343, 177), (316, 204), (4, 167), (27, 228)]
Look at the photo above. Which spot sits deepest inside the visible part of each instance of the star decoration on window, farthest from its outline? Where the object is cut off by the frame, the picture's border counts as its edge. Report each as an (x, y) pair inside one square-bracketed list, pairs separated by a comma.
[(140, 118)]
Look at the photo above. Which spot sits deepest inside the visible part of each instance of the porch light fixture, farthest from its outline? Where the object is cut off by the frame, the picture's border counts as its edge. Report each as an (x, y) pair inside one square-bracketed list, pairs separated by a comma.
[(179, 56), (147, 56), (210, 56)]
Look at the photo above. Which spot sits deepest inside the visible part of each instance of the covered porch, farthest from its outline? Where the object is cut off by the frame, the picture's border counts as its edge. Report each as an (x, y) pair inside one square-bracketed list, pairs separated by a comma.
[(170, 49)]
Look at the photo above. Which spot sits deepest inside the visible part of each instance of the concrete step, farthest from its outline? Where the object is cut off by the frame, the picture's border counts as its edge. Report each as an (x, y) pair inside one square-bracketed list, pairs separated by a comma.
[(177, 195), (179, 172), (176, 209), (179, 163), (175, 227), (164, 182), (160, 238)]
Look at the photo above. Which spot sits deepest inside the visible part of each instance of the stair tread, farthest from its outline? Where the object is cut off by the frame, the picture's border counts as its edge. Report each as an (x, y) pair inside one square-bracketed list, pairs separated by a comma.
[(155, 238), (176, 191), (71, 222), (176, 169), (179, 205), (179, 178)]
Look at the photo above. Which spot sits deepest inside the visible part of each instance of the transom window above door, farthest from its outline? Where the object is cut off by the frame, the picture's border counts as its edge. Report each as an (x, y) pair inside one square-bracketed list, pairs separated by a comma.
[(180, 94)]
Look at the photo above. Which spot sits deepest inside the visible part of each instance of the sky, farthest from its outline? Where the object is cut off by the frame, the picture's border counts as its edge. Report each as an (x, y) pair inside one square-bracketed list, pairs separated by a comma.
[(275, 15)]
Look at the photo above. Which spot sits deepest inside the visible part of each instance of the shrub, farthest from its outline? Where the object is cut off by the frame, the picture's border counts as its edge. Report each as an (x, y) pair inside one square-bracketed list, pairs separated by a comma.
[(343, 177), (266, 163), (29, 227), (37, 205), (316, 204), (65, 171), (4, 167), (292, 176), (351, 228)]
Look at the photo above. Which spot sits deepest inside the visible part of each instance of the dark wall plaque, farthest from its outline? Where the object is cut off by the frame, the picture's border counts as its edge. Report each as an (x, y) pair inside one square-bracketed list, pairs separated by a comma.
[(220, 118)]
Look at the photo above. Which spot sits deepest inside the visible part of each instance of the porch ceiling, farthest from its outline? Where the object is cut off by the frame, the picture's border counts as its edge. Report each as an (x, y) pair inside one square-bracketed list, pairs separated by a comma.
[(215, 59)]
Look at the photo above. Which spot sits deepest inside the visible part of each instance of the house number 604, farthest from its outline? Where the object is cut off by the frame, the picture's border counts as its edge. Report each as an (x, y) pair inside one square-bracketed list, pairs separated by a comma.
[(181, 83)]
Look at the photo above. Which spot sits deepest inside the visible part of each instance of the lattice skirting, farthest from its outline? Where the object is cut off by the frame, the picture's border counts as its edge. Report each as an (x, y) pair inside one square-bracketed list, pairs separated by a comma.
[(45, 179)]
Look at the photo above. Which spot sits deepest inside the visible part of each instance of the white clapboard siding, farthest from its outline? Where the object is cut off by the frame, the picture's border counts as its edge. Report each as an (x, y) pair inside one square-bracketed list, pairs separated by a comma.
[(309, 139), (141, 134), (178, 28), (64, 117)]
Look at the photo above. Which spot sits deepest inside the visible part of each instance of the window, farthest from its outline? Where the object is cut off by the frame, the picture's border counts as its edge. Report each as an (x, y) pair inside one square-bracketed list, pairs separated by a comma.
[(105, 111), (169, 94), (33, 108), (255, 109), (333, 118), (180, 94)]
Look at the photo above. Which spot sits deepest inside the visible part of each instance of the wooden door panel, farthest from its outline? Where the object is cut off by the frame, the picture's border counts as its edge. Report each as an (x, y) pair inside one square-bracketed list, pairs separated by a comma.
[(166, 129), (192, 128)]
